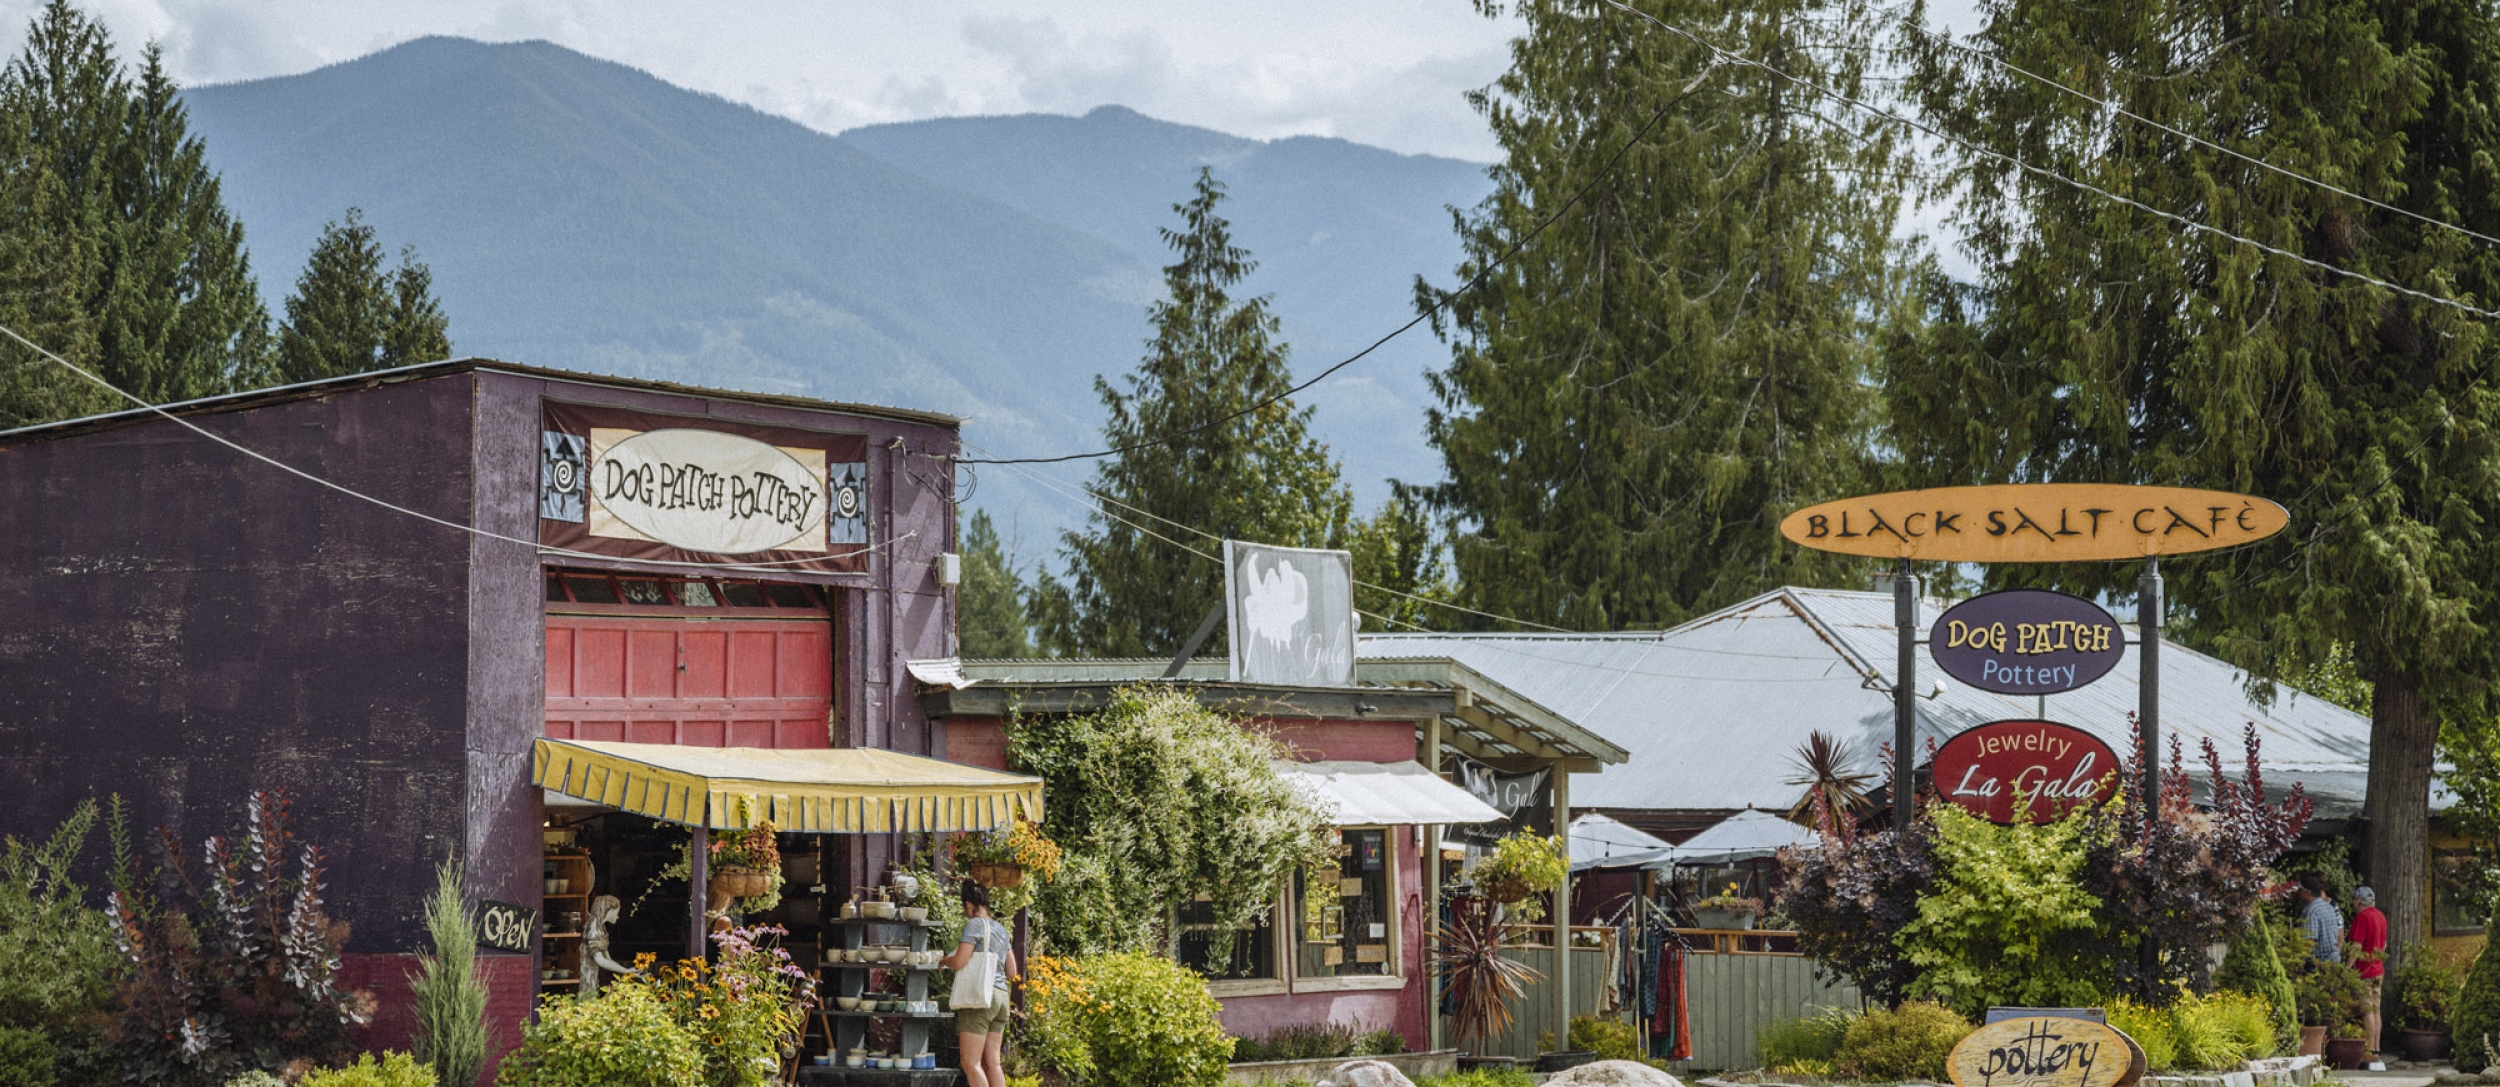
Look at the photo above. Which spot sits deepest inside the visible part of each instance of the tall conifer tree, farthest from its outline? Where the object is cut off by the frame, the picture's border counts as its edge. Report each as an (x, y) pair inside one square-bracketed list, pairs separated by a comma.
[(348, 316), (1638, 397), (2101, 344), (990, 617), (1261, 477), (40, 271)]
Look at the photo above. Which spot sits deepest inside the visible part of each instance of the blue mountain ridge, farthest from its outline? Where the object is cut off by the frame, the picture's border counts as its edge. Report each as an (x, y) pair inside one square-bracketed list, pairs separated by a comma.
[(583, 214)]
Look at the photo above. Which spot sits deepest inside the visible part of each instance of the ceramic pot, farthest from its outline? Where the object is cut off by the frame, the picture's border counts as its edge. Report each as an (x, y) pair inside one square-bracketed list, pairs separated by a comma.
[(2422, 1046), (2312, 1041), (2347, 1053), (999, 875)]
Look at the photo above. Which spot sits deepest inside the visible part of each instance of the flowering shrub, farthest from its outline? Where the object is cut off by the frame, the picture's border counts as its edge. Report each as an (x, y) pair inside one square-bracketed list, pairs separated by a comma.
[(233, 964), (739, 1009), (753, 847), (1933, 908), (1122, 1019), (623, 1038)]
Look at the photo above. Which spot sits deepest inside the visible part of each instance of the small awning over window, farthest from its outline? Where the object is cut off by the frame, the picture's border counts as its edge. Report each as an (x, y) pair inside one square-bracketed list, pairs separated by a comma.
[(1367, 794), (852, 790)]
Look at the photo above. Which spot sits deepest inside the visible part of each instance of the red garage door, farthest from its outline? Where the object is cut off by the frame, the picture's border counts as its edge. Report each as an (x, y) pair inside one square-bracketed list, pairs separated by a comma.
[(696, 661)]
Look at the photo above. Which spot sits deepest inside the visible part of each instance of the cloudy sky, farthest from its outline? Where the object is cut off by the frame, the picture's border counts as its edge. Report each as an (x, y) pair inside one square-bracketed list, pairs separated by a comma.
[(1383, 72)]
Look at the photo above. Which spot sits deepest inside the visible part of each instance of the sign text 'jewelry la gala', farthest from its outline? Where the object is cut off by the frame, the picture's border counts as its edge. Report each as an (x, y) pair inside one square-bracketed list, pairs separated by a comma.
[(2035, 522)]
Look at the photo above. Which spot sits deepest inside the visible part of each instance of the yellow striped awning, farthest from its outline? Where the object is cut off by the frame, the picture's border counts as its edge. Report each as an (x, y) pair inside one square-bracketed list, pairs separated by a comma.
[(850, 790)]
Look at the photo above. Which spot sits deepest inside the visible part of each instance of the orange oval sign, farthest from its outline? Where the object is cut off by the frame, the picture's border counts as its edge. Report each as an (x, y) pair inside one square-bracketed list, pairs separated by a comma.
[(2035, 522), (2040, 1051)]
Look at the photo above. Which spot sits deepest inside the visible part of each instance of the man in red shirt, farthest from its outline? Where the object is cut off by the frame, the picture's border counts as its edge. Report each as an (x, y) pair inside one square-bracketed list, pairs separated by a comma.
[(2369, 933)]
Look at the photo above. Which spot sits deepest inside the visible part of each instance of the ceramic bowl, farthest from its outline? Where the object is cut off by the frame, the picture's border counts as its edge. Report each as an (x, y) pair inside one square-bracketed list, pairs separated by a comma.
[(877, 909), (915, 913), (847, 1003), (895, 954), (854, 1061)]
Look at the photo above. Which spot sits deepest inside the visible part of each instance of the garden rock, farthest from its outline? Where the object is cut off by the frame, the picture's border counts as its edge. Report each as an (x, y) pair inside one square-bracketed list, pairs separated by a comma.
[(1366, 1074), (1613, 1074)]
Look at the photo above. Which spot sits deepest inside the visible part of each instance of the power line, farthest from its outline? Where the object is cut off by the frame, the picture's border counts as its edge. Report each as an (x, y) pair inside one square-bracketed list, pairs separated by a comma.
[(1720, 54), (1440, 302), (2113, 106), (393, 507)]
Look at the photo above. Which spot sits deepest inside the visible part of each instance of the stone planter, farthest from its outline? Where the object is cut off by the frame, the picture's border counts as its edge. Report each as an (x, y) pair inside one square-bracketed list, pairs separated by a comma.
[(2422, 1046), (1438, 1062), (1564, 1059)]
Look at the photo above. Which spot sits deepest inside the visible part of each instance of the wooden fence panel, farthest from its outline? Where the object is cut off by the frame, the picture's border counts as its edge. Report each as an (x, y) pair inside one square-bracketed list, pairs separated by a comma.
[(1734, 996), (1533, 1013)]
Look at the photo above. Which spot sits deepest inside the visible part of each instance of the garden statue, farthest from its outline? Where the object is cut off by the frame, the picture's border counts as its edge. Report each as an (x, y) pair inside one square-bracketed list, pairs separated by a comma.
[(595, 961)]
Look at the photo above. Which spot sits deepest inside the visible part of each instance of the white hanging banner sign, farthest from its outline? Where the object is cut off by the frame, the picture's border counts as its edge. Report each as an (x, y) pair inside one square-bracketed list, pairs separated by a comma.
[(703, 490)]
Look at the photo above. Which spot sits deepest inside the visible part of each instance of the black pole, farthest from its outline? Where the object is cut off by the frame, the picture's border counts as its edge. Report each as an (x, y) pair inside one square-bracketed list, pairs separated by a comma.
[(698, 892), (1904, 694), (2148, 606)]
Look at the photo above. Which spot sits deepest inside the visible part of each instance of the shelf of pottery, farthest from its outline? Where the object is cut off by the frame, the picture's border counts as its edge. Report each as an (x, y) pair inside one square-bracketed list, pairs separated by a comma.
[(567, 900), (870, 976)]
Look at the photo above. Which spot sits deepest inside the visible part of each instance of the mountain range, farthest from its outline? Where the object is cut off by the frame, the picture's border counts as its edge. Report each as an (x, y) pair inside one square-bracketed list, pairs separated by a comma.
[(582, 214)]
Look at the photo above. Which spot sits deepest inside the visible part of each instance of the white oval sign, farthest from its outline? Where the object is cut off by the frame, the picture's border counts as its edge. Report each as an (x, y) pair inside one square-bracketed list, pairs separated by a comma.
[(702, 490)]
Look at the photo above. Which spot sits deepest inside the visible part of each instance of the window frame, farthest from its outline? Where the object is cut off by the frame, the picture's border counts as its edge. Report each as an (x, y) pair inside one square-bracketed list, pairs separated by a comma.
[(1285, 932)]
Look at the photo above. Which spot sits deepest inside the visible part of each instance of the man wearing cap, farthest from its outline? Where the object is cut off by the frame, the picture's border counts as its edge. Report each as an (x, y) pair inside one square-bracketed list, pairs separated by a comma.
[(2369, 934)]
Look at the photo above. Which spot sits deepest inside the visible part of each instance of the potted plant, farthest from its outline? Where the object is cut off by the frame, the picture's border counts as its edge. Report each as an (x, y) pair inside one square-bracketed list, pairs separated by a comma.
[(1467, 953), (2426, 997), (1727, 910), (1521, 866), (999, 859), (2330, 995), (746, 864)]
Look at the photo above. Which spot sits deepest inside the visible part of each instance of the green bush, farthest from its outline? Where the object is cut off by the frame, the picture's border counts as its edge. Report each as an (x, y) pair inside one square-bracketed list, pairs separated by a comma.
[(625, 1038), (2152, 1030), (393, 1070), (1610, 1038), (1479, 1078), (1807, 1046), (1379, 1043), (2254, 965), (2477, 1022), (2245, 1022), (450, 998), (2426, 989), (1908, 1042), (2210, 1033), (2002, 923), (58, 965), (1123, 1019), (26, 1058), (1305, 1042)]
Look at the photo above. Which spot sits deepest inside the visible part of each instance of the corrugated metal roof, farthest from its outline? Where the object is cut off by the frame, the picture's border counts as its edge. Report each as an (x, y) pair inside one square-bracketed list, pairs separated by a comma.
[(1714, 710)]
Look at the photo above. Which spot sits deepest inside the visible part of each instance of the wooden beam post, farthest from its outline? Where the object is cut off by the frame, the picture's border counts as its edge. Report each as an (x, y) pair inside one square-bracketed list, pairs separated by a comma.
[(1561, 978), (1428, 752), (698, 892)]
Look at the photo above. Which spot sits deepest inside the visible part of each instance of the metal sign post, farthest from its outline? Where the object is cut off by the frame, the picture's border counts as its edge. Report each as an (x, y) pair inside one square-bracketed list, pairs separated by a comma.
[(2148, 688), (1904, 695)]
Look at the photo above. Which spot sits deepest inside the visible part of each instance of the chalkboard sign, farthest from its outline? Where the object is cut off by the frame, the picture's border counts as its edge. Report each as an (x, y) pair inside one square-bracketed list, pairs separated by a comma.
[(503, 926)]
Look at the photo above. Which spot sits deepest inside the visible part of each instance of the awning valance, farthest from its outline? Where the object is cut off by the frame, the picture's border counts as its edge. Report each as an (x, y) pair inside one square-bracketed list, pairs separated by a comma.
[(1388, 794), (851, 790)]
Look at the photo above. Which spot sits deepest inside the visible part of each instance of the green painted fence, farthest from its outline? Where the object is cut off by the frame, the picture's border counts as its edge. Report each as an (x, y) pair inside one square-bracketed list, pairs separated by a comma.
[(1533, 1013), (1733, 996)]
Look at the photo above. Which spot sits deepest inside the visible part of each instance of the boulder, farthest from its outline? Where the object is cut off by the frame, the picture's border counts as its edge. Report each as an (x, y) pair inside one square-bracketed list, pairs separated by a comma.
[(1613, 1074), (1366, 1074)]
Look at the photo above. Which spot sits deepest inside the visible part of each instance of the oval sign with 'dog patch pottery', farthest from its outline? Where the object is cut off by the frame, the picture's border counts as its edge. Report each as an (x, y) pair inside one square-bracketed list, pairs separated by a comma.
[(2041, 1051), (2026, 641), (2042, 768)]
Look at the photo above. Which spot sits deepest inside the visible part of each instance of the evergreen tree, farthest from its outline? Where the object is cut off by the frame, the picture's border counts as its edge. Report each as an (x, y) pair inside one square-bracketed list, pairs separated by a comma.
[(1398, 559), (990, 621), (1260, 478), (1637, 398), (162, 280), (39, 273), (2103, 344), (348, 317)]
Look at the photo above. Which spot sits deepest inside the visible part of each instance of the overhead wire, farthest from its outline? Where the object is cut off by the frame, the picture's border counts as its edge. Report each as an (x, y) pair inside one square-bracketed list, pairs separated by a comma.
[(394, 507), (1440, 302), (2114, 106), (1722, 55)]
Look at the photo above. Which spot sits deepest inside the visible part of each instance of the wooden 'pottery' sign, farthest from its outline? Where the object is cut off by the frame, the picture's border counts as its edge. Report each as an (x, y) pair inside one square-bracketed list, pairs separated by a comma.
[(2042, 1052)]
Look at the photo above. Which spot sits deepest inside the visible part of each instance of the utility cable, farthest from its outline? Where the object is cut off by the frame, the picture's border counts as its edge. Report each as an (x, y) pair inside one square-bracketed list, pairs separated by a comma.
[(394, 507), (2121, 110), (1720, 54), (1440, 302)]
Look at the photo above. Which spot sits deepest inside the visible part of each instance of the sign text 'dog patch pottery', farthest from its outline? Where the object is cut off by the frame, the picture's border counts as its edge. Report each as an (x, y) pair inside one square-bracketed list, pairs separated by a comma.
[(2026, 641), (2042, 768), (2042, 1052)]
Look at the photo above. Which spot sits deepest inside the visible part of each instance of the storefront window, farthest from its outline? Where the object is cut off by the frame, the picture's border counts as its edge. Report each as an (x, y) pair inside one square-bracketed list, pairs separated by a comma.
[(590, 589), (744, 594), (695, 594), (2451, 915), (1223, 954), (641, 590), (1345, 918)]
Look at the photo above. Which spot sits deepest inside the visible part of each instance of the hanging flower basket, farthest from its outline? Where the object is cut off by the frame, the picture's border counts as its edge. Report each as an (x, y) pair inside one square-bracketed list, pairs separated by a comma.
[(1001, 876), (739, 882)]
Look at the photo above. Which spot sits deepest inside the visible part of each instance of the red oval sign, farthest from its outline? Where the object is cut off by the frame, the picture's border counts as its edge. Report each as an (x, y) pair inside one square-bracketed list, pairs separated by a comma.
[(2057, 767)]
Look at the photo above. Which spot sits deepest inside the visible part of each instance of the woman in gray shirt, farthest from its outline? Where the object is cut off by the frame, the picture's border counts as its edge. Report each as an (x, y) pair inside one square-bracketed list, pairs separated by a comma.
[(982, 1032)]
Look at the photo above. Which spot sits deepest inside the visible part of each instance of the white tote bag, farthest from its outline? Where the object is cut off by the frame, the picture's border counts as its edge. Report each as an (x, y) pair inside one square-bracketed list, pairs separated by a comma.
[(975, 983)]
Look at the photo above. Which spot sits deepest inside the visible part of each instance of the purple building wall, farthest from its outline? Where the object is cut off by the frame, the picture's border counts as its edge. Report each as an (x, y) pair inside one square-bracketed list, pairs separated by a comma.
[(183, 625)]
